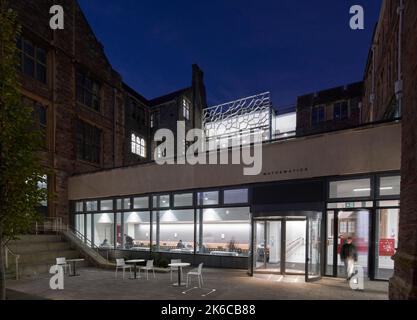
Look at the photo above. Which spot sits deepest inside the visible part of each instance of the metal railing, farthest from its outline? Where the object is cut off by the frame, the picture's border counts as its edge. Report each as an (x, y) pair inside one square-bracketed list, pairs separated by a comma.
[(56, 226), (294, 245), (49, 225), (16, 257), (88, 243)]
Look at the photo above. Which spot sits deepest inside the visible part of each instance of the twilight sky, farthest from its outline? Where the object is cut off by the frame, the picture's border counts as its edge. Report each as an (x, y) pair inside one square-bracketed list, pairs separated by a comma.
[(288, 47)]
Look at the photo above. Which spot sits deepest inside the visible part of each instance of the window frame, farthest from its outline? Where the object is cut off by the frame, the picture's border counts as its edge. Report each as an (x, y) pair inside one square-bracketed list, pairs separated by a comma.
[(316, 110), (37, 62), (138, 145), (338, 107), (81, 141), (95, 96), (186, 108)]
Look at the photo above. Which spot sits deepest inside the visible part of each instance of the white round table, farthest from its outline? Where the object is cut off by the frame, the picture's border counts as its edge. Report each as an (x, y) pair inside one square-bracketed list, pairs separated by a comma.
[(135, 262), (179, 265), (74, 261)]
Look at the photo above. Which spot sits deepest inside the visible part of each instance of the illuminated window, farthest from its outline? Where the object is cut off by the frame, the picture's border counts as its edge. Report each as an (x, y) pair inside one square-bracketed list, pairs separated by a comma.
[(186, 109), (138, 146)]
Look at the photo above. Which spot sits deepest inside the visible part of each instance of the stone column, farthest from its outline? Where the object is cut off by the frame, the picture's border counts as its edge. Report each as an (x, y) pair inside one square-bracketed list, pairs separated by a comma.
[(404, 283)]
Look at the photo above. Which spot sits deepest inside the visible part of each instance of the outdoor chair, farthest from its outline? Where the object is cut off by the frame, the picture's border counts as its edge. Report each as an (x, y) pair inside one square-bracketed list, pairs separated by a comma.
[(149, 266), (121, 264), (197, 273)]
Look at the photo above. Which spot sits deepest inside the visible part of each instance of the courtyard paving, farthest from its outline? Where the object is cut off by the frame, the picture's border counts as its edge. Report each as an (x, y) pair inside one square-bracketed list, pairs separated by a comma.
[(220, 284)]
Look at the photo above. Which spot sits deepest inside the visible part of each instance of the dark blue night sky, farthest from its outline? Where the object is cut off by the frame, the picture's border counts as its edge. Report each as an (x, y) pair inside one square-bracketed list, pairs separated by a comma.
[(288, 47)]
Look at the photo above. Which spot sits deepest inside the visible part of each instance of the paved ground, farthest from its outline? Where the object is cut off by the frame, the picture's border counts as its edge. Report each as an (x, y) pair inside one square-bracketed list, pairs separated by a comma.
[(95, 284)]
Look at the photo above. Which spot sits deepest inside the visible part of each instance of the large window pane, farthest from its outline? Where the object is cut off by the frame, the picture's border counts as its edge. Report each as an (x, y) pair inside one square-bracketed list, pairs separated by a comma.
[(104, 230), (126, 204), (390, 186), (137, 230), (236, 196), (88, 229), (106, 205), (354, 224), (176, 230), (330, 242), (183, 200), (161, 201), (141, 203), (79, 225), (225, 231), (208, 198), (119, 234), (79, 206), (387, 236), (91, 205), (350, 188)]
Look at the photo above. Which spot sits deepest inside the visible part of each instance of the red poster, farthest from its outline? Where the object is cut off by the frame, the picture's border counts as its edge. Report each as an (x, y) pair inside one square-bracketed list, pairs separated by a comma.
[(386, 247)]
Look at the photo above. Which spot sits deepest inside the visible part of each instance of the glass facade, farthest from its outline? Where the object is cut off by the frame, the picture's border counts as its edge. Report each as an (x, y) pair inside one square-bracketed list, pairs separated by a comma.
[(175, 231), (104, 230), (218, 223), (356, 188), (136, 230), (225, 231), (387, 241), (189, 229)]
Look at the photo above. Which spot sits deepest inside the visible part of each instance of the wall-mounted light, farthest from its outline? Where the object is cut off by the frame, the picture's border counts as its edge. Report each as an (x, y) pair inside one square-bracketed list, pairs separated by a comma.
[(175, 235), (386, 188), (223, 236)]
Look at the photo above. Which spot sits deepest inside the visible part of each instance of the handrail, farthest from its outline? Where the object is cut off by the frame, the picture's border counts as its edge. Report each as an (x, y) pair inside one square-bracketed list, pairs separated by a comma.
[(16, 256), (88, 242), (56, 225), (293, 244)]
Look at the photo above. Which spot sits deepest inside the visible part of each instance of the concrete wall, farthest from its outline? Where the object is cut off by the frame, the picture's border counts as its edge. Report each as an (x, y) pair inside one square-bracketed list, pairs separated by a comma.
[(370, 149)]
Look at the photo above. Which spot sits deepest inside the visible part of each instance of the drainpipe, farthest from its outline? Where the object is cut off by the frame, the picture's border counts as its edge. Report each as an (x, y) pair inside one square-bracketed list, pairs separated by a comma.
[(114, 126), (372, 97), (399, 82)]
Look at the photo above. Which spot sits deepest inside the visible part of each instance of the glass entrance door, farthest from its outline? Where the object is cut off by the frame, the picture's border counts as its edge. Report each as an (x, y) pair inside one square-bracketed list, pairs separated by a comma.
[(295, 246), (288, 245), (267, 246), (313, 249)]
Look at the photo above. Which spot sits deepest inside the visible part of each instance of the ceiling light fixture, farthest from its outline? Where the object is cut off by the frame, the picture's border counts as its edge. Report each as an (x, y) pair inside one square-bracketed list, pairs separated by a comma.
[(361, 189)]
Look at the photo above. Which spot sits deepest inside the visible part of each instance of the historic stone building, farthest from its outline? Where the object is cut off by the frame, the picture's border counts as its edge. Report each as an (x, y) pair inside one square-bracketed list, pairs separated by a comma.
[(382, 72), (86, 111), (390, 91), (404, 283)]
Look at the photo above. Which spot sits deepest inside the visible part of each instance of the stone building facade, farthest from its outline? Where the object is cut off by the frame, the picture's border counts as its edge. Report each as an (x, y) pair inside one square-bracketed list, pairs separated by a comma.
[(88, 114), (382, 68), (391, 91), (404, 283), (330, 109)]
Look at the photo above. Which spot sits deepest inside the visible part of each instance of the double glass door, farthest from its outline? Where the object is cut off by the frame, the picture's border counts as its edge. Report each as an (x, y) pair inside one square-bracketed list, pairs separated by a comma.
[(288, 245)]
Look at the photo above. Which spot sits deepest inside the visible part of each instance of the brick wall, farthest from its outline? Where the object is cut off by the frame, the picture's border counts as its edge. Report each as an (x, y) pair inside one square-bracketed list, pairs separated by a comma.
[(382, 68), (404, 283), (68, 49), (351, 93)]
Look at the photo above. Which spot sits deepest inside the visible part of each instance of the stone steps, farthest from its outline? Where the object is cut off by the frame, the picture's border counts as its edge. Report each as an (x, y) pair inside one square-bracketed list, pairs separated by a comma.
[(38, 253)]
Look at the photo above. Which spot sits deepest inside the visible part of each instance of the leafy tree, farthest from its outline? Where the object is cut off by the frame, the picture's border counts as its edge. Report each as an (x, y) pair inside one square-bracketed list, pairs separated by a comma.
[(20, 165)]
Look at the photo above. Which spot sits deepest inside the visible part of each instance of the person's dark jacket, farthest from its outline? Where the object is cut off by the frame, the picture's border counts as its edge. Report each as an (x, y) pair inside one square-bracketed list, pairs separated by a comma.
[(348, 251)]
